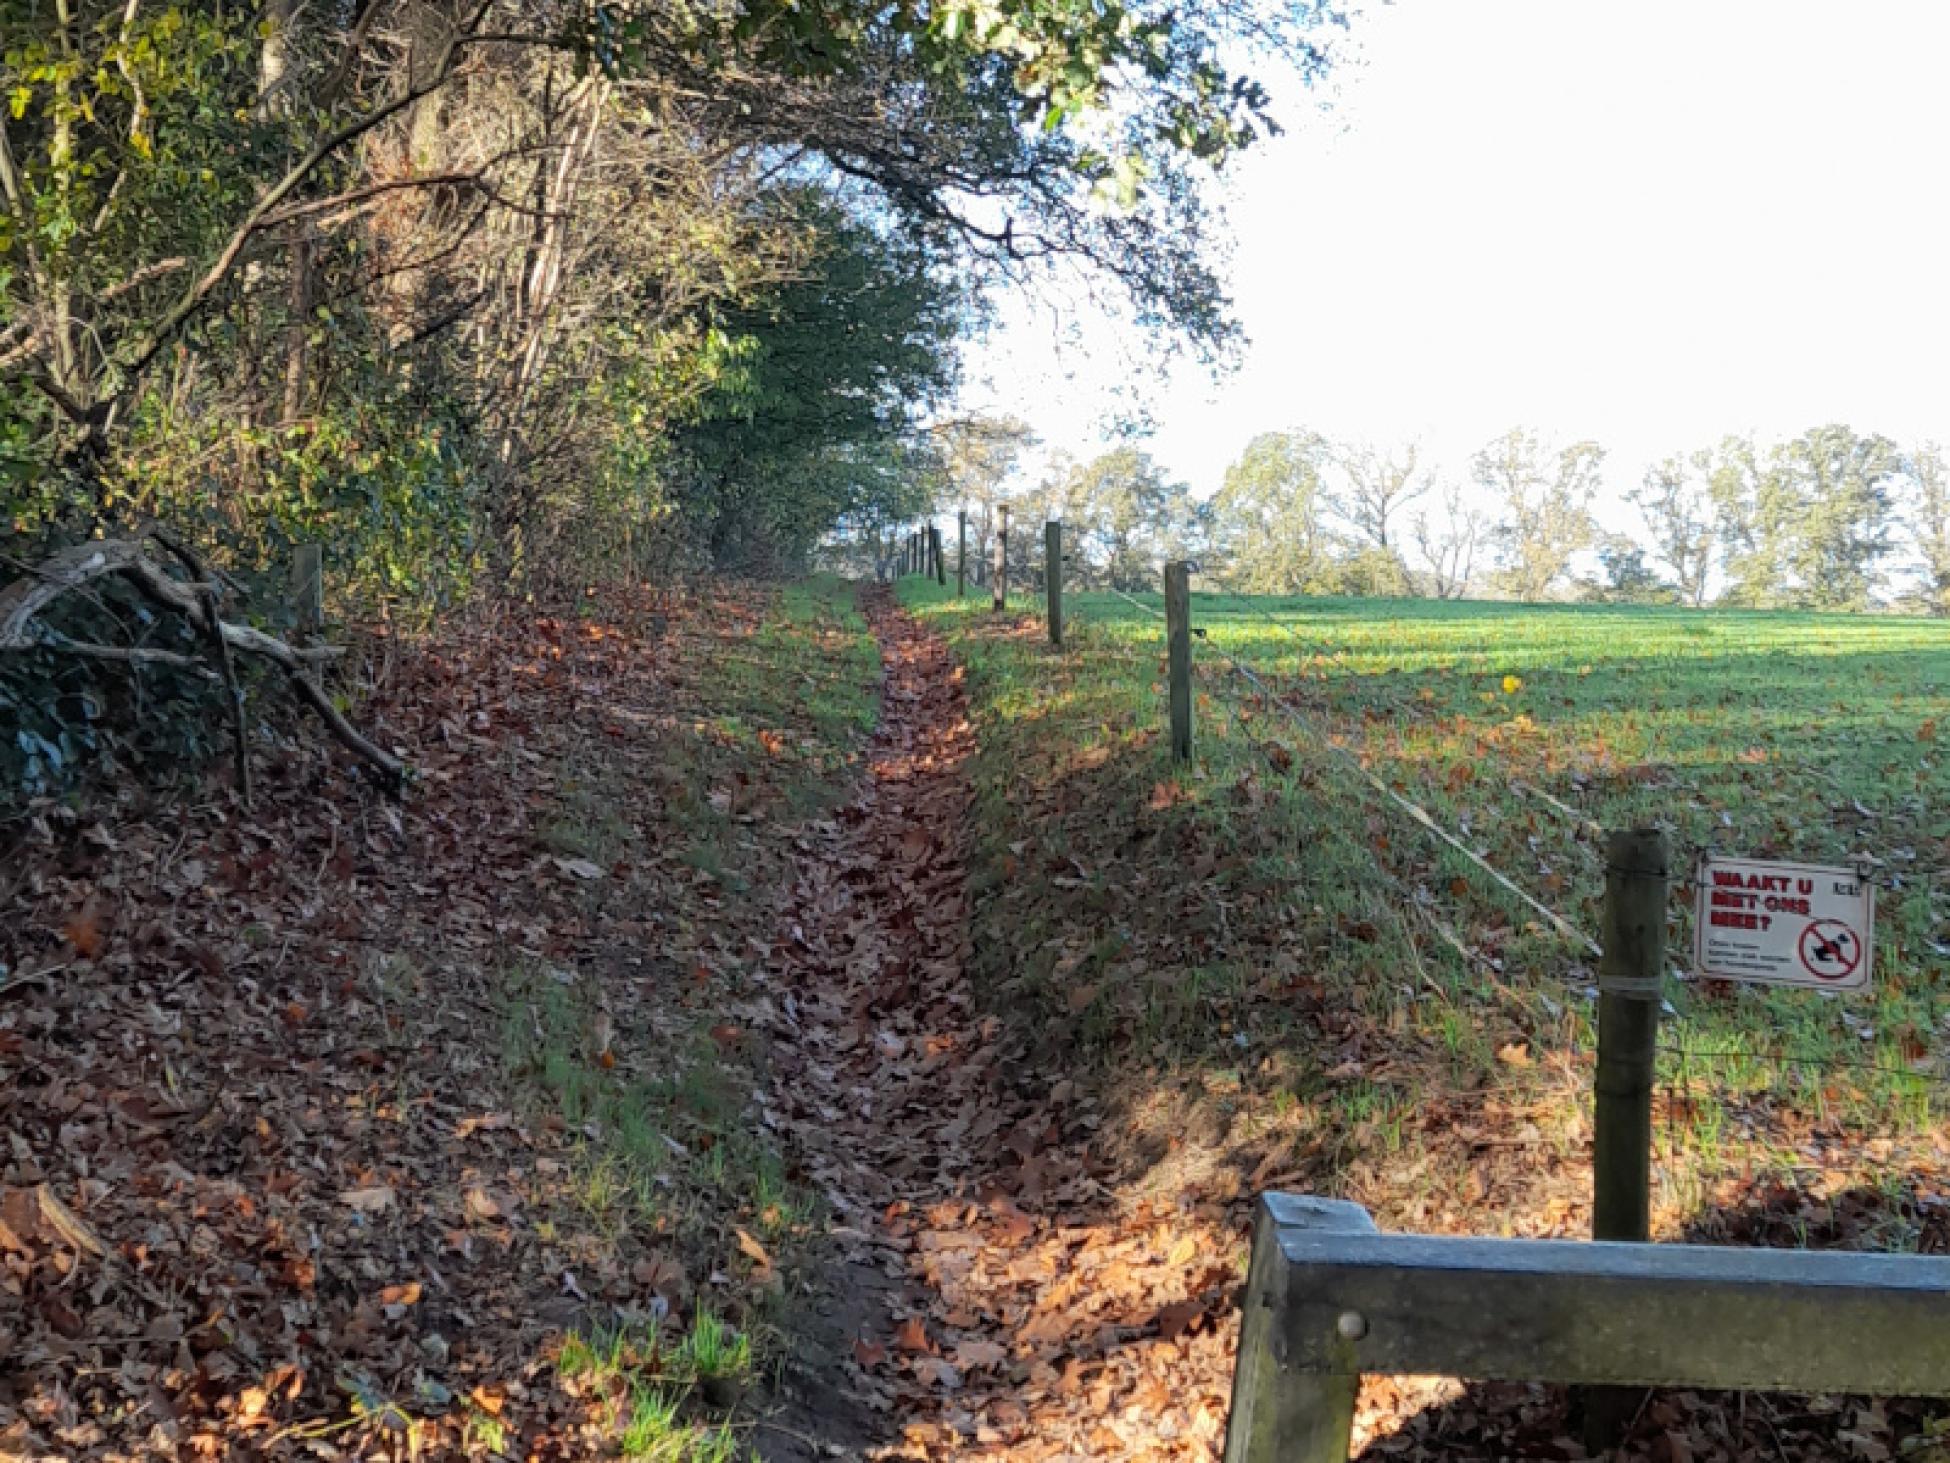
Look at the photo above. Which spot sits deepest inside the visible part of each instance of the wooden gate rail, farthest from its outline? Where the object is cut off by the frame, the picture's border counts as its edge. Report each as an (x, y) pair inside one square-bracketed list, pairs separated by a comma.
[(1329, 1298)]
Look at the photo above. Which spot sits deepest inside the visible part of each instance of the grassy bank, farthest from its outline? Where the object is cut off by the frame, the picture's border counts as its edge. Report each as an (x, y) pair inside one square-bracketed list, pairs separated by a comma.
[(1263, 947)]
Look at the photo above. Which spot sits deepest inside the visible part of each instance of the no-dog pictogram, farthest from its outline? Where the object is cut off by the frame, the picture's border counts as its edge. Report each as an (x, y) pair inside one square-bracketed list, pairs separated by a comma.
[(1830, 949)]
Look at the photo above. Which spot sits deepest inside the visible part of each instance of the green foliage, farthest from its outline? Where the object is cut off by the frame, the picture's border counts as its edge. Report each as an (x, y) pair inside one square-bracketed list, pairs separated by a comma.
[(1123, 518), (1678, 508), (1267, 536), (657, 285), (1930, 524), (1807, 522), (1545, 504), (835, 371)]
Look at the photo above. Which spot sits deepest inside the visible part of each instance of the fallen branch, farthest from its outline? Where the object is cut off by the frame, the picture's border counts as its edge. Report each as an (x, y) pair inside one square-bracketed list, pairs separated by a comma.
[(72, 569), (206, 596)]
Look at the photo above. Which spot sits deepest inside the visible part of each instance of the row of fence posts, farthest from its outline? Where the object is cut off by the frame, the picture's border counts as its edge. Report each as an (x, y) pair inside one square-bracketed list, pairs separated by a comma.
[(1630, 969), (921, 554)]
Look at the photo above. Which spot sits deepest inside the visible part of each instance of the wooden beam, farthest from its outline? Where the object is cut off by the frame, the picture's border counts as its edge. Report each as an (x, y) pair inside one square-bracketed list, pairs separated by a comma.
[(1608, 1313)]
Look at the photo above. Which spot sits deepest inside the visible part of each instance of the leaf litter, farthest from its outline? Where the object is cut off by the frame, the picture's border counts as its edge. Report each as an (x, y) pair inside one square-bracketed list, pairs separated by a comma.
[(328, 1126)]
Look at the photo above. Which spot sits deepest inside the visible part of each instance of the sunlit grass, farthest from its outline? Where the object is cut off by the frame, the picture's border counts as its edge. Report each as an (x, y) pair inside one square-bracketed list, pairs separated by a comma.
[(667, 1395)]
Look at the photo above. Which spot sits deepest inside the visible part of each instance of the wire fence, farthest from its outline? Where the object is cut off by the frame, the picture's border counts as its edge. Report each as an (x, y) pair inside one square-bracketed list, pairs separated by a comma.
[(1586, 828)]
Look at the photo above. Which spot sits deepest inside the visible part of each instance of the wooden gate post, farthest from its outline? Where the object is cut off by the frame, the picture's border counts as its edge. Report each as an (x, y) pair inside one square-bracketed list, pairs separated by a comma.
[(308, 586), (1630, 972), (1279, 1413), (1053, 573), (1178, 640), (999, 562)]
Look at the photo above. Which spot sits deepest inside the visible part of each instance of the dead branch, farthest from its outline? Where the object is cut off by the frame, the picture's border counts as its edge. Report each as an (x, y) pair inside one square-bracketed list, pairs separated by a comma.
[(206, 596), (72, 569)]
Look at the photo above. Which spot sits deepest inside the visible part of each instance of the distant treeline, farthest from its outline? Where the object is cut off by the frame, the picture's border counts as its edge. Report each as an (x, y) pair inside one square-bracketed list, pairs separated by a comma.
[(1829, 520)]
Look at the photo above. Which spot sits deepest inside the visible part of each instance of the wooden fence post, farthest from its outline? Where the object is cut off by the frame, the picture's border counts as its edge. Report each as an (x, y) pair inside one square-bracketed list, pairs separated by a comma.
[(1178, 639), (1053, 572), (1630, 972), (961, 554), (940, 559), (1279, 1413), (999, 562), (308, 586)]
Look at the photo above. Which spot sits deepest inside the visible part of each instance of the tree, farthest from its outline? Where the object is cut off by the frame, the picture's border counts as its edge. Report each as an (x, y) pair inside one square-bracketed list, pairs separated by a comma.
[(1123, 518), (1842, 486), (1929, 523), (1546, 505), (1375, 488), (1808, 522), (1266, 531), (1752, 521), (1677, 504), (1625, 577), (835, 366), (980, 456), (1449, 543)]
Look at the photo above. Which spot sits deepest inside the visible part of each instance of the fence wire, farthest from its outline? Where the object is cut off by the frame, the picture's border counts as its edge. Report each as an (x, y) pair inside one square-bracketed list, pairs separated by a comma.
[(1414, 810), (1321, 736)]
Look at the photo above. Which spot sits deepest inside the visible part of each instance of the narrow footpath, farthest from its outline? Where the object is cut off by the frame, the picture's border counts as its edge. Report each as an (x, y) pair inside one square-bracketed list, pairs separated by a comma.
[(999, 1297)]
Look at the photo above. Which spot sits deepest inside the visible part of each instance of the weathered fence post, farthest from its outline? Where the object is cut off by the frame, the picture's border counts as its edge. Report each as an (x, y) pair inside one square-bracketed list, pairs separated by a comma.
[(999, 562), (1630, 971), (961, 554), (1178, 640), (308, 586), (940, 559), (1053, 573), (1280, 1414)]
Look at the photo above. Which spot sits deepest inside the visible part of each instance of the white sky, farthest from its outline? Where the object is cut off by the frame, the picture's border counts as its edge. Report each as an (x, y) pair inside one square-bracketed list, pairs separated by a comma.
[(1649, 223)]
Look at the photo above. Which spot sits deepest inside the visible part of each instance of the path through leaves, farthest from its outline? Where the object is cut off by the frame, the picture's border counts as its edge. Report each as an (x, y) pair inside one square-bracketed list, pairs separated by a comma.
[(1026, 1309)]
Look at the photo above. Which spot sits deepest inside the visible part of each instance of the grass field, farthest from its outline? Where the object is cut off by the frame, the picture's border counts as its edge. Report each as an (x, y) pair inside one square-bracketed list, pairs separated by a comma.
[(1272, 883)]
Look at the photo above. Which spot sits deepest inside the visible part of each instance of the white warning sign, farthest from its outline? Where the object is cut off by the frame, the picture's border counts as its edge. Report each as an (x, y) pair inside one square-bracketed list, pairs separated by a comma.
[(1783, 924)]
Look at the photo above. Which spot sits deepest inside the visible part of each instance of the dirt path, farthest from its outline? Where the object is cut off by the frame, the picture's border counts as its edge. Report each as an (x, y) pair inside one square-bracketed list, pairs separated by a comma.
[(1000, 1297)]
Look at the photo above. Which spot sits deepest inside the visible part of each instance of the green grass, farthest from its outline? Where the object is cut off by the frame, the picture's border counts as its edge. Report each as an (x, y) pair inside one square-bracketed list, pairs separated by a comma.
[(1785, 735), (667, 1396)]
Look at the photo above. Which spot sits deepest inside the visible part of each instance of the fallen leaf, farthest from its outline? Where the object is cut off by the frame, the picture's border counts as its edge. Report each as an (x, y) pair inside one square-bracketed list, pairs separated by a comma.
[(867, 1353), (64, 1222), (581, 868), (912, 1335), (1516, 1054), (972, 1354), (84, 931), (372, 1200), (401, 1295), (754, 1251), (1175, 1320)]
